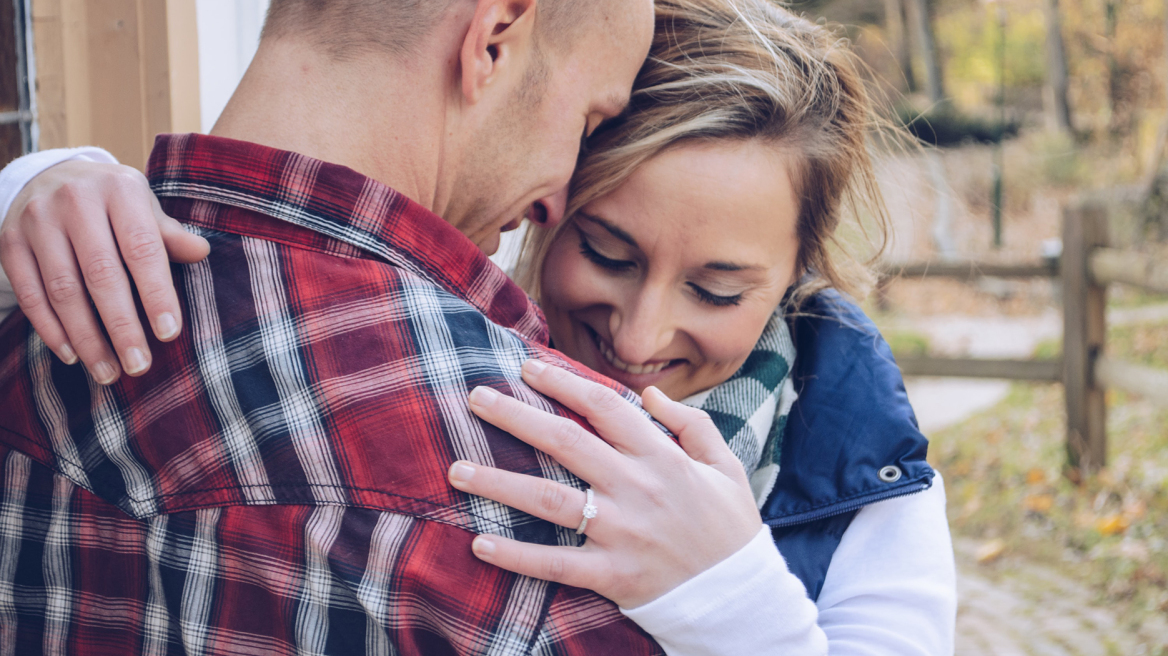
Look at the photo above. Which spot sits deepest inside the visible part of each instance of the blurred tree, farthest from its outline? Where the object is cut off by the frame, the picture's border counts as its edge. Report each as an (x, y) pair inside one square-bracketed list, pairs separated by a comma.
[(1058, 110), (1114, 81), (894, 29), (920, 14)]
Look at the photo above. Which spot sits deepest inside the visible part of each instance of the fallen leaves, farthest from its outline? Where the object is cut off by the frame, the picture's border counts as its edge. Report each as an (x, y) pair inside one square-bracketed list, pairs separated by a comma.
[(1035, 476), (1040, 503), (990, 551), (1112, 525)]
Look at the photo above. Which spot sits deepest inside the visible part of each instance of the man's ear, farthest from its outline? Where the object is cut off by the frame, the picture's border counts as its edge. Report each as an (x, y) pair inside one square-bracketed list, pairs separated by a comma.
[(501, 35)]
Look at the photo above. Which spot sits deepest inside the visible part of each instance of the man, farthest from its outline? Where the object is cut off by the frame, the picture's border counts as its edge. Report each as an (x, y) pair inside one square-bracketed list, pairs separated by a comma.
[(274, 481)]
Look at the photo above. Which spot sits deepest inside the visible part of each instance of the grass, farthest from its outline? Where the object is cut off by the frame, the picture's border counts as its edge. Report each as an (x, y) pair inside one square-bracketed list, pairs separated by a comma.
[(905, 343), (1122, 296), (1004, 473)]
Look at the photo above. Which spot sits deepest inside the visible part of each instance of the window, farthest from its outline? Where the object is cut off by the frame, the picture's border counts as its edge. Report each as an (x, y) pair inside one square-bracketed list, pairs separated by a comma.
[(18, 133)]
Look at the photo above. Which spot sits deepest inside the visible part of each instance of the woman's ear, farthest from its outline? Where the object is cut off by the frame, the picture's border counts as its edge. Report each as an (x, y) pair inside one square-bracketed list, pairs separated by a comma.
[(500, 38)]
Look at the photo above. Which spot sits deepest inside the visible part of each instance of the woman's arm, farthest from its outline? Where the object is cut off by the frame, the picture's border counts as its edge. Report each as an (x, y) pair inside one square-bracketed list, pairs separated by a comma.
[(889, 590), (891, 587), (71, 231), (22, 170), (747, 604)]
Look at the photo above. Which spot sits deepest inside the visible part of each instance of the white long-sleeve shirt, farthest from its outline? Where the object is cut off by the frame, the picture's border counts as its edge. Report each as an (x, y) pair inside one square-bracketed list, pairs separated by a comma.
[(890, 588)]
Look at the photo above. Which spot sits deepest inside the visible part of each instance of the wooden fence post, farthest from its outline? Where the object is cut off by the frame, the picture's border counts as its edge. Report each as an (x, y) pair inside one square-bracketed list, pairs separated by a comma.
[(1084, 308)]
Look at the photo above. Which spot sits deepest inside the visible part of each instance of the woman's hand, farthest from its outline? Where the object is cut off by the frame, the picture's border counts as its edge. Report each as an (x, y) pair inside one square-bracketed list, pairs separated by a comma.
[(666, 513), (71, 234)]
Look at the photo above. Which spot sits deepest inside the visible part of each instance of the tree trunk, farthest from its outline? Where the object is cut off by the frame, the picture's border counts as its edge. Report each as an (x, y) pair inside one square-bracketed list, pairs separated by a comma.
[(1058, 110), (1114, 90), (894, 27), (923, 26)]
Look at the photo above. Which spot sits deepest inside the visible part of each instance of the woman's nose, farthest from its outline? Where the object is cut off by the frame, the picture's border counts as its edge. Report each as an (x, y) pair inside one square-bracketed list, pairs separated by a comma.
[(642, 332)]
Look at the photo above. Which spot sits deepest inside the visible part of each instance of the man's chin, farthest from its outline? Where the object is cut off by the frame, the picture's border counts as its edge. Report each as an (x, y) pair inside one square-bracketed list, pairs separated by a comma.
[(490, 245)]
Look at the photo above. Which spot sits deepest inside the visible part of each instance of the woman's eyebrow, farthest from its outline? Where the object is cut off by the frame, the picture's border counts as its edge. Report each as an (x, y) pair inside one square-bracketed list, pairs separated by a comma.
[(732, 266), (612, 229)]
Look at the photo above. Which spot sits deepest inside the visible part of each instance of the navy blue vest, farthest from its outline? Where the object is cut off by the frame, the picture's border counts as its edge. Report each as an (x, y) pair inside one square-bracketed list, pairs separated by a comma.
[(851, 438)]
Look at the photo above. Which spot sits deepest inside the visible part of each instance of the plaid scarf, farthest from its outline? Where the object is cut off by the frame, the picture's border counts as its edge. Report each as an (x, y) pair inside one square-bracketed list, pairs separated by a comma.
[(751, 407)]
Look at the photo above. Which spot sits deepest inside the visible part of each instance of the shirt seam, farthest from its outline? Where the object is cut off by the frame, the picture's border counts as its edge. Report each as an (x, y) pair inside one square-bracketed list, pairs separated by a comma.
[(273, 486)]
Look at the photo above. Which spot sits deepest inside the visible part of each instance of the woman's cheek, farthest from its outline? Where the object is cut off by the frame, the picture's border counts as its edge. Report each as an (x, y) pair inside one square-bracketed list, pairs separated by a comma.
[(730, 338), (571, 282), (561, 277)]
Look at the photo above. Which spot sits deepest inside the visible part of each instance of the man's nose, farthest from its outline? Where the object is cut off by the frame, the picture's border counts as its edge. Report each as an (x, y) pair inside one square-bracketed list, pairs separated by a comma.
[(554, 207), (642, 332)]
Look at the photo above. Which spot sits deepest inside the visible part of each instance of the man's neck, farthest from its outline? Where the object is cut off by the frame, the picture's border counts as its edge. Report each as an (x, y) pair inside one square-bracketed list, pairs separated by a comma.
[(369, 114)]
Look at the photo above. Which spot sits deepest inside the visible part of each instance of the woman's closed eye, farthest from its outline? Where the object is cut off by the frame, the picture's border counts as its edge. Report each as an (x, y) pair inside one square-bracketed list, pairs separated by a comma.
[(607, 263), (710, 298)]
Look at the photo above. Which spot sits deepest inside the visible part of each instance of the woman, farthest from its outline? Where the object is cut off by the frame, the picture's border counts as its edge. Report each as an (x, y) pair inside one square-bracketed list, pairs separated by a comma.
[(713, 201), (695, 223)]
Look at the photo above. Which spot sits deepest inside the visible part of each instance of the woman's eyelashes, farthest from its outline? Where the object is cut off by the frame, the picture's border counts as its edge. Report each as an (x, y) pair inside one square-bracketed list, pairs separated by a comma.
[(714, 299), (609, 264), (624, 266)]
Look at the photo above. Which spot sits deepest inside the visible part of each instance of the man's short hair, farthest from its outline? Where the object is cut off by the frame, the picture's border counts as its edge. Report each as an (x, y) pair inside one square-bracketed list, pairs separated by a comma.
[(348, 27)]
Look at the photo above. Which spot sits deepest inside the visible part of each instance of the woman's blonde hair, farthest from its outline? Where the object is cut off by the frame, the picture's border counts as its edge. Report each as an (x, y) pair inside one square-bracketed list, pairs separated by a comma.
[(742, 70)]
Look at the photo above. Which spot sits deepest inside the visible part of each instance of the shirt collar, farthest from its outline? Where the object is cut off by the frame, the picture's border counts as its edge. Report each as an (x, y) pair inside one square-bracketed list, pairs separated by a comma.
[(343, 205)]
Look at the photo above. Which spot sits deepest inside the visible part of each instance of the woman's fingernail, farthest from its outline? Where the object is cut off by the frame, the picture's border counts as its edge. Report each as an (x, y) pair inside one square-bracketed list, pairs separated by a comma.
[(534, 367), (461, 472), (136, 361), (483, 396), (68, 355), (166, 326), (483, 547), (104, 373)]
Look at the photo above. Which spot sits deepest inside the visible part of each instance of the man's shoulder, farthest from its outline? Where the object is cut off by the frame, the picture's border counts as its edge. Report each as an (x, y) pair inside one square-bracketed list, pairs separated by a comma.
[(302, 378)]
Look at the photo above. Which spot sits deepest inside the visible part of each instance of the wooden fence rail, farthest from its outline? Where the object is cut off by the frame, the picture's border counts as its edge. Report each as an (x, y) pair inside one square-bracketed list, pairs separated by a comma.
[(1114, 265), (1086, 268), (970, 270), (1148, 382), (1036, 370)]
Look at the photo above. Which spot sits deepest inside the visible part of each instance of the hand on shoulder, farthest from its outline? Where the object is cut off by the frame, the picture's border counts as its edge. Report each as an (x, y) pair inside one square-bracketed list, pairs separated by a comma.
[(66, 244), (665, 511)]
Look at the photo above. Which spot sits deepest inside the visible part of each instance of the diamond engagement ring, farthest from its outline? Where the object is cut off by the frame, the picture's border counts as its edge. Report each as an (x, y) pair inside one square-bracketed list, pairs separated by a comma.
[(589, 512)]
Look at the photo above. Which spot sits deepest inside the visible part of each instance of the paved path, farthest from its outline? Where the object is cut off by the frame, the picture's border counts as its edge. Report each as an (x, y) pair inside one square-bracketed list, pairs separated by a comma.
[(1012, 608)]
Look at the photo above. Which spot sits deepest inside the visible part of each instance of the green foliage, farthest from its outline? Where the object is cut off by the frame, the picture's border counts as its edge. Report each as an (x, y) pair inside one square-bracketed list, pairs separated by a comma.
[(971, 35), (1049, 350), (1059, 159), (906, 343), (1142, 343)]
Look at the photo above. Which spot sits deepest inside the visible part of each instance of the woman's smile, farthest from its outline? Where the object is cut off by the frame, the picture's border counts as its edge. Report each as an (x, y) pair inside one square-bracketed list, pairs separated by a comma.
[(669, 280), (636, 376)]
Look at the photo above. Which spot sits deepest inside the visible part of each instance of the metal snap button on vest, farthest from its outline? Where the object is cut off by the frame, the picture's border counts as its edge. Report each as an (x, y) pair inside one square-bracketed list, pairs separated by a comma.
[(890, 474)]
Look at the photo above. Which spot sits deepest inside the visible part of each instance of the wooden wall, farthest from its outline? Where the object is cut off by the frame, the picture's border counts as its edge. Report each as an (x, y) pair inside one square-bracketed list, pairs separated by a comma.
[(115, 73)]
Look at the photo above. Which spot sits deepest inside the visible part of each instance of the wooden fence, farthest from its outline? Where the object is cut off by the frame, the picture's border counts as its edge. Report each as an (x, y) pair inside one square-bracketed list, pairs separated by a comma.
[(1086, 268)]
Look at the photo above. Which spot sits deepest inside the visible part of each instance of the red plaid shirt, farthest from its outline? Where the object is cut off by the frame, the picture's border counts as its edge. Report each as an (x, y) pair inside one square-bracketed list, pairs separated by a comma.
[(276, 483)]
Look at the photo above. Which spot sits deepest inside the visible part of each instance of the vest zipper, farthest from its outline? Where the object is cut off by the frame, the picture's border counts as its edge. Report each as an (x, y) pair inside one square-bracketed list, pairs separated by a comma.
[(915, 487)]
